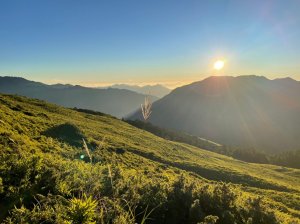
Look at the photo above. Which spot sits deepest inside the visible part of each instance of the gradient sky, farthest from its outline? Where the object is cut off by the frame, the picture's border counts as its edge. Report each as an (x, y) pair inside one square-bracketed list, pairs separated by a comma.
[(159, 41)]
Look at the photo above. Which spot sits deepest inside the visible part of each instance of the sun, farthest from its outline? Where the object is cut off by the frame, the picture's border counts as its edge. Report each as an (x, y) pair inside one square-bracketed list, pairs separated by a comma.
[(218, 65)]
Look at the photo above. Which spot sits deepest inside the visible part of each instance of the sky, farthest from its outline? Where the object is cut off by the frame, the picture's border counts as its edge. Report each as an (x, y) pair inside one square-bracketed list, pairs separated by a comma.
[(173, 42)]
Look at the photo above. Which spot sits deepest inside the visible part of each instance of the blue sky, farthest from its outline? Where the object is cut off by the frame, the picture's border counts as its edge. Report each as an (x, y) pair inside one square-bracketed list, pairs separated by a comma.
[(158, 41)]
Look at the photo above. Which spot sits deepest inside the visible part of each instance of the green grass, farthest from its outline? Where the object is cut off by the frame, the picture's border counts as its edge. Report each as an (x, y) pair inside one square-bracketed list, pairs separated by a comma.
[(37, 128)]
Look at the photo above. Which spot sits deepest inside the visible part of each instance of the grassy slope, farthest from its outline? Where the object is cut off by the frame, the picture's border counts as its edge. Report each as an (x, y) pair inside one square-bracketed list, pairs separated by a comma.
[(27, 119)]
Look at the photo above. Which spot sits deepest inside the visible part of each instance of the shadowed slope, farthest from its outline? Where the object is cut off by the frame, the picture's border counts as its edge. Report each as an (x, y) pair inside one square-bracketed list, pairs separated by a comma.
[(117, 102), (139, 153), (247, 111)]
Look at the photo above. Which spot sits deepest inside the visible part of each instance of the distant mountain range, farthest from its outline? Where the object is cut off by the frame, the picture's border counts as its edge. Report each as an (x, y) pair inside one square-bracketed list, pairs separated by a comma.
[(154, 90), (117, 102), (246, 111)]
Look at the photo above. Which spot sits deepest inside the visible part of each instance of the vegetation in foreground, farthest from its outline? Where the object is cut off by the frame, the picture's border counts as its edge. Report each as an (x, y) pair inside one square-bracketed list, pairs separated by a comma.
[(130, 176)]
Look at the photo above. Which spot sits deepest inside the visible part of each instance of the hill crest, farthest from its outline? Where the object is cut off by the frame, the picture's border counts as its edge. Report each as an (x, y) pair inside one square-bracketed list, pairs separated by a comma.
[(240, 111)]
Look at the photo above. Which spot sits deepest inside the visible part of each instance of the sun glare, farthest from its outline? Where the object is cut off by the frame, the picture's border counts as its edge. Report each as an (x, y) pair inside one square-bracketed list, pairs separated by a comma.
[(218, 65)]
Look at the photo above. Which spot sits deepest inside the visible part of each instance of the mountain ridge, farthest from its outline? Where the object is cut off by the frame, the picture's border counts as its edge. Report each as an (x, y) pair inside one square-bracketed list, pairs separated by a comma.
[(234, 111), (117, 102), (157, 90)]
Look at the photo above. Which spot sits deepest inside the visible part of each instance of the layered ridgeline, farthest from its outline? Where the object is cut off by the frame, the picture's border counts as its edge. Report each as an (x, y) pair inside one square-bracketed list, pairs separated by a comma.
[(117, 102), (155, 90), (123, 175), (245, 111)]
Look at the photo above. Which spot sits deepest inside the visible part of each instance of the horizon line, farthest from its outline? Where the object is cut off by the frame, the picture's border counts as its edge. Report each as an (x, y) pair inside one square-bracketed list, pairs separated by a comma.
[(168, 84)]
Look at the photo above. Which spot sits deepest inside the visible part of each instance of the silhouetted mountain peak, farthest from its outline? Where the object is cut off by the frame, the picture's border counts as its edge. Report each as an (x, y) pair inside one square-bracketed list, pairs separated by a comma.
[(226, 80), (12, 80), (244, 110), (234, 78), (61, 86), (157, 90), (117, 102), (286, 80)]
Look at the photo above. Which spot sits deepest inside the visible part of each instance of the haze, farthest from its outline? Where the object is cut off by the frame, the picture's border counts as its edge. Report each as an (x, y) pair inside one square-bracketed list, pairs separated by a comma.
[(170, 42)]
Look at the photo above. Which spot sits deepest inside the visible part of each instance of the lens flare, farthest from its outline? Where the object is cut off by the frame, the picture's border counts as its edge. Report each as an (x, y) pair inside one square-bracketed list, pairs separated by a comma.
[(218, 65)]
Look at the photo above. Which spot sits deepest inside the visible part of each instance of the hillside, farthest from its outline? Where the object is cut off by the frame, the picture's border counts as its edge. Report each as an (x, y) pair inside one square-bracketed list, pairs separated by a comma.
[(176, 136), (243, 111), (117, 102), (46, 174)]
